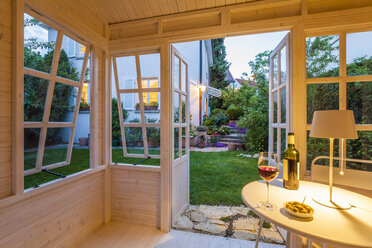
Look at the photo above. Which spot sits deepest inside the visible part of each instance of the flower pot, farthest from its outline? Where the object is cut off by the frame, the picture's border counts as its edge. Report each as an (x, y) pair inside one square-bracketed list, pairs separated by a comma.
[(137, 107), (202, 144), (83, 141)]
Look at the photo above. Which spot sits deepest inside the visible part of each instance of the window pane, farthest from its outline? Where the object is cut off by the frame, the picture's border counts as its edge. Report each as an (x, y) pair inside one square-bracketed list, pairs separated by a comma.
[(321, 97), (63, 103), (70, 61), (275, 110), (359, 53), (283, 136), (275, 138), (283, 105), (322, 56), (176, 143), (31, 145), (150, 65), (283, 65), (134, 140), (183, 108), (35, 91), (131, 107), (320, 147), (127, 72), (360, 148), (152, 111), (275, 71), (183, 76), (176, 104), (56, 145), (153, 140), (176, 72), (359, 99), (183, 141), (39, 44)]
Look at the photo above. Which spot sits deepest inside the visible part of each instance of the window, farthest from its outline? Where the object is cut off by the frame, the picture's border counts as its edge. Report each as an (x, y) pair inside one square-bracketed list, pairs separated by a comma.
[(339, 76), (52, 91), (136, 109)]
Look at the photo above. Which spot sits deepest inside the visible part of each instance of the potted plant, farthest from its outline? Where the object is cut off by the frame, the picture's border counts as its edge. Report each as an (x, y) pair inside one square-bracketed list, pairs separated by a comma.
[(84, 106), (83, 141), (201, 131), (153, 106), (137, 106), (202, 141)]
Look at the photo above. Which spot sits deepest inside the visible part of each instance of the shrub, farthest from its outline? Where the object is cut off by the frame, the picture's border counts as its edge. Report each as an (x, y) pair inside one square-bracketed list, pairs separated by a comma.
[(215, 120), (116, 133), (234, 113), (202, 129), (217, 111), (154, 104)]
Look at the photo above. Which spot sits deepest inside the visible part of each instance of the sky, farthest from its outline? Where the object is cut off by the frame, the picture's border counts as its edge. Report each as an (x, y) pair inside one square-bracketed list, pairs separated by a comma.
[(242, 49)]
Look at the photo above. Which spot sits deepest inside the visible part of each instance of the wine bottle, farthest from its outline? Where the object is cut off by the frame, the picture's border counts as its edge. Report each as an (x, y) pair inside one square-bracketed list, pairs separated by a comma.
[(291, 165)]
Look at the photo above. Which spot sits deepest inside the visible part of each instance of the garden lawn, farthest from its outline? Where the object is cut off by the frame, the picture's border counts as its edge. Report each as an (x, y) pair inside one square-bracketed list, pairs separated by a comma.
[(217, 178)]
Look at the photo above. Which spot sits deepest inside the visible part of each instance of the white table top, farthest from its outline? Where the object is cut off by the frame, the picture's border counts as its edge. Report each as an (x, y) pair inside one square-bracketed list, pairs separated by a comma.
[(345, 228)]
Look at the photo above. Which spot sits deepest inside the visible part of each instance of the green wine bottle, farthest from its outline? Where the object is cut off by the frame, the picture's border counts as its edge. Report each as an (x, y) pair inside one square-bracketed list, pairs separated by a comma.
[(291, 165)]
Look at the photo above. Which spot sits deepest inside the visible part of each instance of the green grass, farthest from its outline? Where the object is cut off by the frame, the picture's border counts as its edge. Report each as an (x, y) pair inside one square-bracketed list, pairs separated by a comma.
[(217, 178)]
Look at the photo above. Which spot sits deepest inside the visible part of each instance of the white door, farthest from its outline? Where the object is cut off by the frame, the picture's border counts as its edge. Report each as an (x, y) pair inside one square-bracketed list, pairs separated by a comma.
[(180, 135), (279, 97)]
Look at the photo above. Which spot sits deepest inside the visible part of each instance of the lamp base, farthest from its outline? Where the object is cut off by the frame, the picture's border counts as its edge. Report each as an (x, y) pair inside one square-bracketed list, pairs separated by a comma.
[(339, 205)]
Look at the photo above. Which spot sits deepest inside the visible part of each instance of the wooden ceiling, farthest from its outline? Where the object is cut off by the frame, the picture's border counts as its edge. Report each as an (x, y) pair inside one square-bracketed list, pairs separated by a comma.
[(116, 11)]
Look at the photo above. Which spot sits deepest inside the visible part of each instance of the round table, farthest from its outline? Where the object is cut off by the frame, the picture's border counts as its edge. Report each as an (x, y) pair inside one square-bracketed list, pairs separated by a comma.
[(345, 228)]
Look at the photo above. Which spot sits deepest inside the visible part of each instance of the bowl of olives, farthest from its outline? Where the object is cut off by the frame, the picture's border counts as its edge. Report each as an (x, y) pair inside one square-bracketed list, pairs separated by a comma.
[(299, 209)]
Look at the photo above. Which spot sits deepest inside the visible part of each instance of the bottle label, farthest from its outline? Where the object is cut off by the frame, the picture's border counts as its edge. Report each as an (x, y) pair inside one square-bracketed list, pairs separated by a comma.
[(285, 169)]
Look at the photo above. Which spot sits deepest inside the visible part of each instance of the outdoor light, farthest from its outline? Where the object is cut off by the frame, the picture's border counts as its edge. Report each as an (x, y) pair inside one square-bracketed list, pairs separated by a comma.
[(333, 124), (203, 87)]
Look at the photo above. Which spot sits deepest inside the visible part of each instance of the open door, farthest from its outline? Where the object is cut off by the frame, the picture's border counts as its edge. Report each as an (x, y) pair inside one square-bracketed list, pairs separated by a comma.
[(279, 97), (180, 135)]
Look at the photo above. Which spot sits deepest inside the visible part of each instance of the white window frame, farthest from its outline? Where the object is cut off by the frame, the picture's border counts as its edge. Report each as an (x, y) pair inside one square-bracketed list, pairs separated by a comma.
[(342, 81), (142, 124), (53, 78)]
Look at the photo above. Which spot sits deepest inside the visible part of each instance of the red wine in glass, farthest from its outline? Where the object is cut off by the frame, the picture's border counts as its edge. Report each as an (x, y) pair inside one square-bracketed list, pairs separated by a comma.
[(268, 173)]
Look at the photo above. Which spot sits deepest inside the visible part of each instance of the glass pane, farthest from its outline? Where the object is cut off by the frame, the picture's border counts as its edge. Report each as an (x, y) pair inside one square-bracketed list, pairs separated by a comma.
[(31, 145), (275, 110), (71, 59), (275, 138), (360, 148), (35, 91), (183, 141), (134, 140), (322, 56), (152, 111), (320, 147), (275, 71), (131, 107), (183, 76), (321, 97), (176, 143), (359, 99), (63, 103), (283, 65), (176, 104), (39, 44), (56, 145), (359, 53), (150, 83), (150, 65), (153, 140), (283, 105), (183, 108), (127, 72), (283, 136), (176, 72)]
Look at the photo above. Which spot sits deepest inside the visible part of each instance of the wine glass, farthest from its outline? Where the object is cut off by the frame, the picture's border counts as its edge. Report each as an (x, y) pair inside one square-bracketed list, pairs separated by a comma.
[(268, 168)]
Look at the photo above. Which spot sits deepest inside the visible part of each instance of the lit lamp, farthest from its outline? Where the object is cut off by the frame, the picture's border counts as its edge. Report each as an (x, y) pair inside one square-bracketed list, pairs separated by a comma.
[(333, 124)]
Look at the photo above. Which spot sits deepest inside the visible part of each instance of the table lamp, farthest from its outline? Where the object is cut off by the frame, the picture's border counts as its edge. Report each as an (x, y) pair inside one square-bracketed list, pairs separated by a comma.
[(333, 124)]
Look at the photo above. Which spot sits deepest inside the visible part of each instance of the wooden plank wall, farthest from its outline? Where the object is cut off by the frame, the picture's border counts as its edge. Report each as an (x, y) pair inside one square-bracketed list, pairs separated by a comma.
[(135, 195), (5, 98), (58, 217)]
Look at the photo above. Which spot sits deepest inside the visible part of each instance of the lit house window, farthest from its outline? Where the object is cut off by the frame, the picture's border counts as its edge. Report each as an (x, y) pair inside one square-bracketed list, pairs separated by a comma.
[(82, 50), (150, 98), (84, 94)]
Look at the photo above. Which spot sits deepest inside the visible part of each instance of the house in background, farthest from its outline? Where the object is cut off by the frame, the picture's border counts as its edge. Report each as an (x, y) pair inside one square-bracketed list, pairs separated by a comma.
[(234, 84)]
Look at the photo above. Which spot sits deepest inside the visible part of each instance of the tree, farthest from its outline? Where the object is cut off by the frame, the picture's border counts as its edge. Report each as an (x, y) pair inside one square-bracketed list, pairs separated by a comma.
[(217, 72)]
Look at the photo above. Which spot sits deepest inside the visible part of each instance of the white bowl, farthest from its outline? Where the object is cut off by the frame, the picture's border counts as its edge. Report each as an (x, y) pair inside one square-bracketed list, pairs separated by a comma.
[(300, 215)]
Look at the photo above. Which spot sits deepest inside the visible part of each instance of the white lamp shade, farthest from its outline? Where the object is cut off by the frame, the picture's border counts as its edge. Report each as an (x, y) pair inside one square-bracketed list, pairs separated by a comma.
[(333, 124)]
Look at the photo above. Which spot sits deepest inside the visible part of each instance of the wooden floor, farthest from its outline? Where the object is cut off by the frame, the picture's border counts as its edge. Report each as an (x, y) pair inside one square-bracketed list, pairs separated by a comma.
[(119, 234)]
